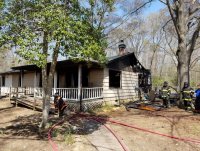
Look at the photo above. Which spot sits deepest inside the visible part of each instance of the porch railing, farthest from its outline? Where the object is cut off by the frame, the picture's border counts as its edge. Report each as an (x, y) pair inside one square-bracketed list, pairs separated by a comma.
[(38, 92), (4, 90), (92, 93), (72, 93), (66, 93)]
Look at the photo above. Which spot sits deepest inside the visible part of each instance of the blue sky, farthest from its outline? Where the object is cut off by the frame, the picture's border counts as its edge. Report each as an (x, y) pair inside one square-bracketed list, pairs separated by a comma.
[(154, 7)]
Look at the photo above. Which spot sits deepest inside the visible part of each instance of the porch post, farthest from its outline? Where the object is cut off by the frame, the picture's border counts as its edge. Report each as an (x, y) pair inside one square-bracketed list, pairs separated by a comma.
[(55, 82), (21, 76), (35, 79), (80, 85)]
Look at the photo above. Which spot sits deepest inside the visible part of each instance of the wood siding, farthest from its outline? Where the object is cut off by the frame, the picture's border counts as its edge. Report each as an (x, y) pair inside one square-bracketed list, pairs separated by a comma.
[(8, 80), (129, 81), (62, 80), (15, 80), (95, 78), (28, 79)]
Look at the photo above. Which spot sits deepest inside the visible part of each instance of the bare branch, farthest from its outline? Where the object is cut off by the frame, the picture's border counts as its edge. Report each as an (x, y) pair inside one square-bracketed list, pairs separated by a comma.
[(193, 63), (191, 12), (194, 38), (126, 16), (163, 27), (163, 2), (173, 17)]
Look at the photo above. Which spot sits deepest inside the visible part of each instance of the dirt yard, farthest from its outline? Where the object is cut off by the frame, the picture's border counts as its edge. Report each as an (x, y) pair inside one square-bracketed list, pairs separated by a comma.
[(19, 130)]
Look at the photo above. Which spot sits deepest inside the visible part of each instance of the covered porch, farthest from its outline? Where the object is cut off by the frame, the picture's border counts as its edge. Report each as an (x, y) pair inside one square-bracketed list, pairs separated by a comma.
[(73, 81)]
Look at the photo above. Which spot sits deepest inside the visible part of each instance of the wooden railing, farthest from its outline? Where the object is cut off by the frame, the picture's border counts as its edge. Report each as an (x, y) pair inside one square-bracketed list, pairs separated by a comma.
[(4, 90), (38, 92), (92, 93), (66, 93), (26, 91)]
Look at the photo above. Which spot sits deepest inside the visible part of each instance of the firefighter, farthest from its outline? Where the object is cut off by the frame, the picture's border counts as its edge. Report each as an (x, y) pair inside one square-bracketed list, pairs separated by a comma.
[(55, 101), (165, 94), (187, 95), (59, 104), (197, 100)]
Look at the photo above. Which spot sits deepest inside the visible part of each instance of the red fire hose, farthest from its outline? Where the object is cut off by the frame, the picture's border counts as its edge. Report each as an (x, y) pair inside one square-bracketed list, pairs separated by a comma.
[(52, 143), (149, 131), (55, 147), (100, 119), (118, 139)]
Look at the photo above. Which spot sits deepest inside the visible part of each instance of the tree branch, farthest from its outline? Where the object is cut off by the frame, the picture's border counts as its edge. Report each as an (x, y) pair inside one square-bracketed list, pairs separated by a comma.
[(194, 38), (173, 17), (191, 12), (126, 16), (193, 63), (163, 27), (163, 2)]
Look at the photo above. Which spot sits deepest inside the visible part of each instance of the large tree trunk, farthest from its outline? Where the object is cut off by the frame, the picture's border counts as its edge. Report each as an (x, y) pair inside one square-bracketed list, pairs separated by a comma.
[(47, 83), (182, 14), (46, 106), (183, 70)]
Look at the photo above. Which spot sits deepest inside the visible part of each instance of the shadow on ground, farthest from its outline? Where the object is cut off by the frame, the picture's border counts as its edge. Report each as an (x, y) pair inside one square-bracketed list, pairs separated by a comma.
[(28, 126)]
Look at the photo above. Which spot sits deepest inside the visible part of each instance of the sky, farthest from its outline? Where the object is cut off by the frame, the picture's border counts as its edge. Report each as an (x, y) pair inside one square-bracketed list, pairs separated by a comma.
[(154, 7)]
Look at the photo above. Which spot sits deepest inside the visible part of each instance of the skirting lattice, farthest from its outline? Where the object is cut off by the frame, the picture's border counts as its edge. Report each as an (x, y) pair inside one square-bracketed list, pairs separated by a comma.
[(86, 105)]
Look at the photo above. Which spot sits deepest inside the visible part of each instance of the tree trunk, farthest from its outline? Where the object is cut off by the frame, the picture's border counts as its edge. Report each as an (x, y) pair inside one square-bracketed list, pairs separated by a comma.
[(47, 92), (183, 70), (161, 68), (152, 58), (47, 83), (46, 98)]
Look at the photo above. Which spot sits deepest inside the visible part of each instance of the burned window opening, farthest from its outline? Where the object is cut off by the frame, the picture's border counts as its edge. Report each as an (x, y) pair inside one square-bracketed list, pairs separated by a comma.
[(3, 81), (114, 79)]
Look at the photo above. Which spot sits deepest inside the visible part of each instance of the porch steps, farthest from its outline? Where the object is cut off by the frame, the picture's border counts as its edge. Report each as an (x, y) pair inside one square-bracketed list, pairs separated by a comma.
[(31, 102)]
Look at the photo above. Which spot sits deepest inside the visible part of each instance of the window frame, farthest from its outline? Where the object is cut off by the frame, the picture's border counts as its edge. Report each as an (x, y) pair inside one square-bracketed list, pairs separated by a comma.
[(3, 80), (120, 79)]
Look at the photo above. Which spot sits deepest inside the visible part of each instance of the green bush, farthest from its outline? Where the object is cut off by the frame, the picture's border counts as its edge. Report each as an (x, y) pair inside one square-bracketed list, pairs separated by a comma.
[(157, 81)]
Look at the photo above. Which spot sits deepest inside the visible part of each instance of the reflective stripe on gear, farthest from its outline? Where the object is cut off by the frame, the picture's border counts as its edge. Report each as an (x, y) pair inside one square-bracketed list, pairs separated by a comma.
[(165, 90), (187, 91), (187, 99)]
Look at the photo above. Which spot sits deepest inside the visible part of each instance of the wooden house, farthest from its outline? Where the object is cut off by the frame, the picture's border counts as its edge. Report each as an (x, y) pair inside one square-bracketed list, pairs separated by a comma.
[(119, 79)]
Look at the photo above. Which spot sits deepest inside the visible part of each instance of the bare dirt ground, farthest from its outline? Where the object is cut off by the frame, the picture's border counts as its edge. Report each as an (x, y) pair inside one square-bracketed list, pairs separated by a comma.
[(19, 130)]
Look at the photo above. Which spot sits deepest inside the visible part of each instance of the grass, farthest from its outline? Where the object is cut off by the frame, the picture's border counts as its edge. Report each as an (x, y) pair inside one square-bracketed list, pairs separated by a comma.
[(65, 134), (68, 137), (55, 133), (106, 108)]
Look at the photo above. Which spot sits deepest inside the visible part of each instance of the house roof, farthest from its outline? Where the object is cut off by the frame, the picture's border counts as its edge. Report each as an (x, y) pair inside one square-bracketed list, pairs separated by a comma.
[(132, 60), (9, 72), (60, 64), (69, 63), (27, 67)]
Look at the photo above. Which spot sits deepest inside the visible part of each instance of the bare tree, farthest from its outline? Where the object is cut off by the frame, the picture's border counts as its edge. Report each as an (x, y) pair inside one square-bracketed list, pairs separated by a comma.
[(186, 21)]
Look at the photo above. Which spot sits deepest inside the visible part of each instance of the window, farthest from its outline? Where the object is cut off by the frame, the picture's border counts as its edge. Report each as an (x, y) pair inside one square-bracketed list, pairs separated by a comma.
[(3, 80), (114, 79), (19, 81)]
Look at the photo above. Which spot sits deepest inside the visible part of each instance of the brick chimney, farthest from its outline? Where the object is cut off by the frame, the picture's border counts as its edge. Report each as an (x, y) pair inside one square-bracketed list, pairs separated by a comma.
[(122, 47)]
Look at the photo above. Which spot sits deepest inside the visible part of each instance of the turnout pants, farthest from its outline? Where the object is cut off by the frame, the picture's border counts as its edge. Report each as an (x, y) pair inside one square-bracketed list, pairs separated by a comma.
[(197, 104), (166, 102), (187, 104)]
